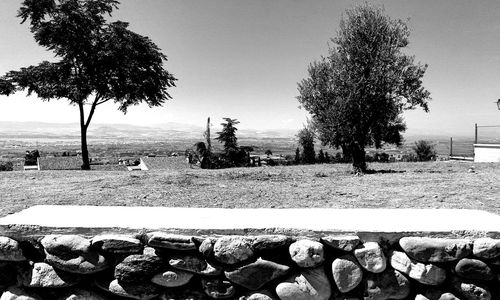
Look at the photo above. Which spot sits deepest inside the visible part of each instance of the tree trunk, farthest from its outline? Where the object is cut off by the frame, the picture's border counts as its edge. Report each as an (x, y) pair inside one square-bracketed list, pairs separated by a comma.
[(85, 151), (83, 135), (358, 158)]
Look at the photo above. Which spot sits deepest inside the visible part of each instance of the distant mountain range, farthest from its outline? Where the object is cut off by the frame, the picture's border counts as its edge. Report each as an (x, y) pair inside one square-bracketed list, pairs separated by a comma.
[(170, 130)]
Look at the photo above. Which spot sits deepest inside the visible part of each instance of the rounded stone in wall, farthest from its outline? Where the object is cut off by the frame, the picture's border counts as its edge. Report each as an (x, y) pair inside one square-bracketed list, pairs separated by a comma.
[(309, 284), (486, 248), (142, 291), (424, 273), (390, 284), (117, 244), (218, 288), (474, 269), (194, 264), (471, 290), (255, 275), (81, 294), (260, 295), (341, 242), (371, 257), (10, 250), (307, 253), (42, 275), (347, 274), (270, 242), (138, 268), (170, 241), (232, 250), (19, 293), (172, 278), (439, 250)]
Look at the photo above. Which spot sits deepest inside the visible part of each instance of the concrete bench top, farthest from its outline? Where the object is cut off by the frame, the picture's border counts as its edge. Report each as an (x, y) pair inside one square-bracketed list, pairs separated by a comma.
[(90, 218)]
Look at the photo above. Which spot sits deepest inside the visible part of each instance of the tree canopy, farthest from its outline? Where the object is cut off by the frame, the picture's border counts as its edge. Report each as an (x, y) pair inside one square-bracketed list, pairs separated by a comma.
[(99, 61), (357, 93), (228, 134)]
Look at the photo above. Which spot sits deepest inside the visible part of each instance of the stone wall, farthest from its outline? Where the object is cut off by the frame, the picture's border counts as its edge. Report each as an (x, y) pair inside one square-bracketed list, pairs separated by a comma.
[(165, 265)]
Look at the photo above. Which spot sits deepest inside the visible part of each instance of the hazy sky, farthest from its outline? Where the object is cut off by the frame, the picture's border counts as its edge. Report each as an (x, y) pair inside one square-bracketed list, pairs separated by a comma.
[(243, 58)]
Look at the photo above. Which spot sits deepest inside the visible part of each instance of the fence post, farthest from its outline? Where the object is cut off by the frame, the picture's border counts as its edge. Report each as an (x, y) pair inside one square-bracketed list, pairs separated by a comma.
[(451, 147), (475, 133)]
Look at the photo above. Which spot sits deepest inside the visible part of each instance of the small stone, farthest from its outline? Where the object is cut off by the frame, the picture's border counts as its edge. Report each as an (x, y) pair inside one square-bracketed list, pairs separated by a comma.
[(118, 244), (138, 268), (255, 275), (341, 242), (172, 278), (18, 293), (486, 248), (471, 291), (81, 294), (426, 249), (232, 250), (474, 269), (142, 291), (43, 275), (424, 273), (218, 288), (170, 241), (194, 264), (309, 284), (307, 253), (270, 242), (371, 257), (390, 284), (10, 250), (347, 274)]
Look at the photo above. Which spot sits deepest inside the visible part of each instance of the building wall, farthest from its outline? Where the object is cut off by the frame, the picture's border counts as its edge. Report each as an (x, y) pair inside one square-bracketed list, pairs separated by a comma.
[(486, 152)]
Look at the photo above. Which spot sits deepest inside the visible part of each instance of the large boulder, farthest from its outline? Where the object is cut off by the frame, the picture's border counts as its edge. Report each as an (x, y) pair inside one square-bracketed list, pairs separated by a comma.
[(307, 253), (255, 275), (437, 250), (309, 284)]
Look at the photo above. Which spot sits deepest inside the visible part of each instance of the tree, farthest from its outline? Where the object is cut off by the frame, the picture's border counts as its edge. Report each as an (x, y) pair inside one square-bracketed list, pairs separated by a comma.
[(306, 140), (297, 155), (99, 61), (424, 150), (321, 156), (228, 135), (356, 94)]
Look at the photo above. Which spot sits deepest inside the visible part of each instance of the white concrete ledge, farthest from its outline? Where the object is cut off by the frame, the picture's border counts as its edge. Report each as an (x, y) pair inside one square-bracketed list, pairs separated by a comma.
[(50, 217)]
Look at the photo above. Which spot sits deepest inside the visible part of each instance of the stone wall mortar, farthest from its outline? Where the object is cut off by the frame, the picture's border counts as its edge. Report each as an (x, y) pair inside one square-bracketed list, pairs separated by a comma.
[(165, 265)]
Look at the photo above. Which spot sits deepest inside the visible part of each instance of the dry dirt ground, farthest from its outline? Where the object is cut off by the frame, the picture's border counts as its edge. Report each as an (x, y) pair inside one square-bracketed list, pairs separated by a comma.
[(395, 185)]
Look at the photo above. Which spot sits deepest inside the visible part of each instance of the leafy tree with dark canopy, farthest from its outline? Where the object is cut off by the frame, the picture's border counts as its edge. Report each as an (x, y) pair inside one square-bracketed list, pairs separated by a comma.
[(306, 140), (356, 94), (424, 150), (99, 61)]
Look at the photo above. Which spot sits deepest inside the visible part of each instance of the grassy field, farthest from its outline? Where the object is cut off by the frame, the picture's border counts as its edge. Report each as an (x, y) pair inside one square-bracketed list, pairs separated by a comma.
[(394, 185)]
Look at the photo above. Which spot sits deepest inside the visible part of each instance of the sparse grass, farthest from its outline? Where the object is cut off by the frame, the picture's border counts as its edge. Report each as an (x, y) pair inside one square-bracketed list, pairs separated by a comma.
[(394, 185)]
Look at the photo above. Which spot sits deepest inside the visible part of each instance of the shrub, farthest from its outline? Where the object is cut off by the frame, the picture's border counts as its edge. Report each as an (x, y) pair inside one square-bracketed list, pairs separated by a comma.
[(6, 166), (424, 150)]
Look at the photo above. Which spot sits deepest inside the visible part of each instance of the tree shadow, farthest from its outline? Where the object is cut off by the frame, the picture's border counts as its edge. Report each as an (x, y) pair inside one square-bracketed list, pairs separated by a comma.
[(390, 171)]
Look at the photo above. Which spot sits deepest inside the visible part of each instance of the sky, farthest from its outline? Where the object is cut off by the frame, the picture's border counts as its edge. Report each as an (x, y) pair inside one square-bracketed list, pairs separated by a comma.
[(243, 58)]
